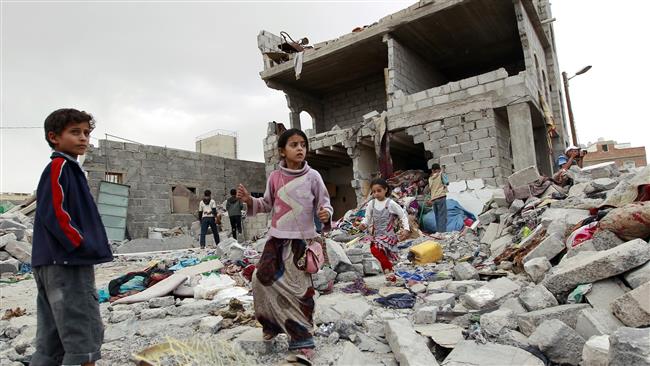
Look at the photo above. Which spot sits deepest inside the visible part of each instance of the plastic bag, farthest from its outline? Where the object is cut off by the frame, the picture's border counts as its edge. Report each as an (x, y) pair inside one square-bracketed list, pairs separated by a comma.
[(581, 235), (209, 285), (576, 296), (224, 296)]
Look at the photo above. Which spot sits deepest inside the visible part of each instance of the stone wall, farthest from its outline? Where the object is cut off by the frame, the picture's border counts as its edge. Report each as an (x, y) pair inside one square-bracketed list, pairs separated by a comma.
[(409, 72), (152, 172), (346, 108)]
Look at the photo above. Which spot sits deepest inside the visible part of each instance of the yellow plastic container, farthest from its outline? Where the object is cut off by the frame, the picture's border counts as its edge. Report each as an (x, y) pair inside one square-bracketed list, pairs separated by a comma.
[(427, 252)]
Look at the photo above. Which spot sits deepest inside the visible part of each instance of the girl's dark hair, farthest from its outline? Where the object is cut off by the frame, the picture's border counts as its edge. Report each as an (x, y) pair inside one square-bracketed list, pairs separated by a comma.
[(58, 120), (380, 181), (207, 192), (284, 137)]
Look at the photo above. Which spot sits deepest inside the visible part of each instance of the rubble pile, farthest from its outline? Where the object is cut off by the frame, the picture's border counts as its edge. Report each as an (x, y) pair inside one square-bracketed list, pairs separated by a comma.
[(15, 244), (543, 276)]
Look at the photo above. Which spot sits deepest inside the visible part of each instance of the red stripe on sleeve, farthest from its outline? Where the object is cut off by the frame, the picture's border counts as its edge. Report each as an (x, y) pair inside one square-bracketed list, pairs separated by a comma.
[(61, 214)]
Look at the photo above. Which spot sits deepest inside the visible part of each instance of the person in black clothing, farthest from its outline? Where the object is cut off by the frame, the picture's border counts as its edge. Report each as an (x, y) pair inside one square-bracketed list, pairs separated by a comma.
[(234, 208), (209, 218)]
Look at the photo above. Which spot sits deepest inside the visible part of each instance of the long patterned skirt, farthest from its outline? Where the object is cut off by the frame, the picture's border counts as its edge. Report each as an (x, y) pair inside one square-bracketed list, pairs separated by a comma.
[(283, 293)]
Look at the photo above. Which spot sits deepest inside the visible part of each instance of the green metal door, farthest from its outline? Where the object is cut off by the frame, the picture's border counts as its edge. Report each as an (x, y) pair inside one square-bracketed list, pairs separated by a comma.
[(112, 202)]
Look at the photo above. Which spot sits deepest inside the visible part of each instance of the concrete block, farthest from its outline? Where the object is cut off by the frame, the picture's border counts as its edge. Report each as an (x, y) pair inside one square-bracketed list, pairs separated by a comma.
[(497, 321), (371, 266), (604, 292), (568, 314), (629, 346), (487, 217), (10, 265), (409, 348), (333, 307), (515, 305), (558, 342), (475, 184), (524, 177), (491, 294), (638, 276), (469, 82), (499, 197), (591, 267), (499, 245), (162, 302), (594, 322), (596, 351), (456, 187), (253, 343), (537, 268), (147, 314), (633, 308), (605, 239), (549, 248), (490, 234), (425, 315), (470, 352), (119, 316), (462, 287), (537, 298), (210, 324), (351, 356), (440, 299), (602, 170), (465, 271), (6, 239)]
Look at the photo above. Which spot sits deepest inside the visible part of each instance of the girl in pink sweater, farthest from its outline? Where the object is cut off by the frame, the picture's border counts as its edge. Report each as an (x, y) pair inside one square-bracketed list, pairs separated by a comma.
[(282, 290)]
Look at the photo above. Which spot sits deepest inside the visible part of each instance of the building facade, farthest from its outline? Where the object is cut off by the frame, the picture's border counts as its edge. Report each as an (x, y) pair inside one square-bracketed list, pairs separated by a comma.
[(471, 84), (625, 156), (166, 185)]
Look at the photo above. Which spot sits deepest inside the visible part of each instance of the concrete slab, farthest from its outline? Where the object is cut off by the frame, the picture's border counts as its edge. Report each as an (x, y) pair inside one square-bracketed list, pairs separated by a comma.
[(489, 354), (604, 292), (409, 348), (568, 314), (558, 342), (587, 268), (490, 294), (445, 335), (596, 351), (633, 308), (595, 322), (629, 346)]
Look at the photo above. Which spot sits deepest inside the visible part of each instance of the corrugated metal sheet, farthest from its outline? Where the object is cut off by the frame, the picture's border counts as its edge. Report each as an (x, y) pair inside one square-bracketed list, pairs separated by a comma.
[(112, 202)]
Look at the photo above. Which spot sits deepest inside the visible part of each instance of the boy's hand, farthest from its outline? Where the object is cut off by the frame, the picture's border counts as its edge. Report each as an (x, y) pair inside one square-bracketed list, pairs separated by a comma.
[(243, 195), (323, 215)]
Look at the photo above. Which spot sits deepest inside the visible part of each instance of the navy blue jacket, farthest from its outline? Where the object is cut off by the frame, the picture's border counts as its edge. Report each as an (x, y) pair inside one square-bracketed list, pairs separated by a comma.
[(67, 226)]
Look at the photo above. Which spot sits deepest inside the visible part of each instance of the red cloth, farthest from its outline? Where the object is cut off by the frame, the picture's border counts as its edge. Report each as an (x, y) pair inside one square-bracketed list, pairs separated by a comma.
[(386, 264)]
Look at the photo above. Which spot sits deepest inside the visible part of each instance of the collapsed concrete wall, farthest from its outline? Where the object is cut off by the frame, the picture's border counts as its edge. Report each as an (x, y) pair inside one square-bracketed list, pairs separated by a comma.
[(154, 172)]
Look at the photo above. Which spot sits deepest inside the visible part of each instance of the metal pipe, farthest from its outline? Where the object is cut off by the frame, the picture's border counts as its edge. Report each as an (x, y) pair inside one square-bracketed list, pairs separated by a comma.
[(574, 137)]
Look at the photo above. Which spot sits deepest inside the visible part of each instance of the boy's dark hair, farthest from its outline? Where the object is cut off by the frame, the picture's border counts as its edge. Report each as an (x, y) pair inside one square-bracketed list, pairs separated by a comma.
[(58, 120), (284, 137), (435, 166), (233, 192), (207, 193), (380, 181)]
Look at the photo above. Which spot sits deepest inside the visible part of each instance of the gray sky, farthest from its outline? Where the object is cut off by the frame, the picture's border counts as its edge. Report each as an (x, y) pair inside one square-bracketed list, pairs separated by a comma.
[(164, 73)]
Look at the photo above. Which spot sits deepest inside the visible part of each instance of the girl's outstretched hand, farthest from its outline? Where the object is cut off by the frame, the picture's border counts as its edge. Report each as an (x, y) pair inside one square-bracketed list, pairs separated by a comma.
[(323, 215), (243, 195)]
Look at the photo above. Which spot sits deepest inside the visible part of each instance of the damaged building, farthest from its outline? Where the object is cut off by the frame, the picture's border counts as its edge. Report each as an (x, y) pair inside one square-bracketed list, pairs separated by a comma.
[(471, 84), (165, 185)]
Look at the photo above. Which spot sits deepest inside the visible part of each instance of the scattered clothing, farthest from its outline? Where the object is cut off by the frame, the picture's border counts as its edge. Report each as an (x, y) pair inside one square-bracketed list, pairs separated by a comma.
[(398, 301), (359, 285)]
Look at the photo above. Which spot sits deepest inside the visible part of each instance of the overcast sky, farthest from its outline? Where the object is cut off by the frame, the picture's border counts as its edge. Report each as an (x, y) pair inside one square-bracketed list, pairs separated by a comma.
[(163, 73)]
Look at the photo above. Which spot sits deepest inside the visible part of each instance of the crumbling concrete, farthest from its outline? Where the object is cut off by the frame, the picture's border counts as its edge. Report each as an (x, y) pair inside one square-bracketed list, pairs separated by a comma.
[(537, 298), (559, 342), (473, 353), (409, 348), (633, 308), (537, 268), (638, 276), (595, 322), (568, 314), (629, 346), (588, 267), (490, 294), (596, 351), (604, 292)]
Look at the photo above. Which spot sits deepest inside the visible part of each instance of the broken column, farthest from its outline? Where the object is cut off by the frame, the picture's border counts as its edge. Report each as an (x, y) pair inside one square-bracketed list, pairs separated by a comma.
[(521, 135)]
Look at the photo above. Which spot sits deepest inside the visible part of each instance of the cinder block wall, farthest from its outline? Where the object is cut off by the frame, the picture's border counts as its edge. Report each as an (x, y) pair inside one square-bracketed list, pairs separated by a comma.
[(151, 171), (346, 108), (409, 72)]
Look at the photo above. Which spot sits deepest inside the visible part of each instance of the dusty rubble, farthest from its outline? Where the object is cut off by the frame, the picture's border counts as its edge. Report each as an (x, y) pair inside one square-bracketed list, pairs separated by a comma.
[(534, 281)]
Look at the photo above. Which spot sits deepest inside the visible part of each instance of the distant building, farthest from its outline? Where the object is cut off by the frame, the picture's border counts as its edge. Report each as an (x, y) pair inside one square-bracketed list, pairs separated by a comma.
[(624, 155), (218, 143)]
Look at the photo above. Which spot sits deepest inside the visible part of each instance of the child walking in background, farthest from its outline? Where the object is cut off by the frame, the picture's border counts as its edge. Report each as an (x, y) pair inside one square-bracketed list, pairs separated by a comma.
[(381, 213), (438, 183), (282, 289), (209, 217)]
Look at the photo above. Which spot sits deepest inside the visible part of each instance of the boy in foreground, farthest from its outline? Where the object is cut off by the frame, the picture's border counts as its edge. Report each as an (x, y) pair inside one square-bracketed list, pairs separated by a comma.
[(69, 239)]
